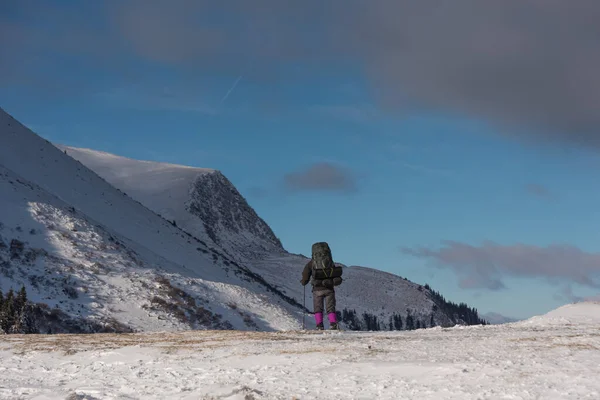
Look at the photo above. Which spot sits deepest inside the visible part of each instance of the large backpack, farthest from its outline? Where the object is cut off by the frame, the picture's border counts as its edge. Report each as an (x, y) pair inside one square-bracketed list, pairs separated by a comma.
[(324, 271)]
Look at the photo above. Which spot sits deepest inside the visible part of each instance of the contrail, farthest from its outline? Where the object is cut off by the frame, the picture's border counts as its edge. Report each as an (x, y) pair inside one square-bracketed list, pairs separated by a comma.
[(231, 89)]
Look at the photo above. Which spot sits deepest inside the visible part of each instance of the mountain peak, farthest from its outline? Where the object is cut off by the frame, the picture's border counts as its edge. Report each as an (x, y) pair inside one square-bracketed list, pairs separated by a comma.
[(227, 216), (201, 201)]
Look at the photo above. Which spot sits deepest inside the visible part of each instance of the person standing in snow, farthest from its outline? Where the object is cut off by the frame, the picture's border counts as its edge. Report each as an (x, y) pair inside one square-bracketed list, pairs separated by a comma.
[(325, 276)]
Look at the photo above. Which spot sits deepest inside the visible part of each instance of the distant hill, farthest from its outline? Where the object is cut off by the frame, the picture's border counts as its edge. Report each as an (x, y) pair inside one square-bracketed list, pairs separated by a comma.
[(495, 318)]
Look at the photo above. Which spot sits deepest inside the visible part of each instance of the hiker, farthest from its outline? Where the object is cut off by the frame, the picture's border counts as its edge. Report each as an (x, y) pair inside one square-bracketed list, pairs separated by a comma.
[(325, 276)]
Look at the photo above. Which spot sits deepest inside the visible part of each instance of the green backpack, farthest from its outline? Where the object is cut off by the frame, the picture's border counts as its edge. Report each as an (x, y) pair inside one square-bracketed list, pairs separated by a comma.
[(324, 271)]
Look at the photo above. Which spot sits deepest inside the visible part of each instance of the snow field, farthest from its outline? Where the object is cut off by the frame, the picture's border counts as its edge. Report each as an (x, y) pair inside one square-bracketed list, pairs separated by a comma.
[(512, 361)]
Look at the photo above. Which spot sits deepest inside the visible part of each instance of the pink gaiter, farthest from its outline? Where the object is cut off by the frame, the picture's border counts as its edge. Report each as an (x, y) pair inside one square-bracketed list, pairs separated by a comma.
[(332, 317), (319, 318)]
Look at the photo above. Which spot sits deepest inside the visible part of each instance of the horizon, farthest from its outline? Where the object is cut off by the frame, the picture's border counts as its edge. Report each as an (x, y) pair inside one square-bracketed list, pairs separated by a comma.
[(456, 148)]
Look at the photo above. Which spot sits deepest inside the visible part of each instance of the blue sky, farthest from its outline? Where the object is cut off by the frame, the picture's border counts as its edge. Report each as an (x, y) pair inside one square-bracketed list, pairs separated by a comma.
[(450, 186)]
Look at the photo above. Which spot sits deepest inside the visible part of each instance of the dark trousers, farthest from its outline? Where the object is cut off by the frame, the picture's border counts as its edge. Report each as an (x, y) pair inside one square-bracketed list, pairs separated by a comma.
[(321, 295)]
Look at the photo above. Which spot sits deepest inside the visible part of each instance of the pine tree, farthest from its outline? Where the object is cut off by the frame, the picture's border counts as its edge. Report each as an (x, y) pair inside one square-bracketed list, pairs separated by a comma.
[(1, 312), (8, 319), (410, 323), (398, 323), (371, 322), (21, 300), (23, 294), (350, 319), (455, 311), (19, 311), (10, 296)]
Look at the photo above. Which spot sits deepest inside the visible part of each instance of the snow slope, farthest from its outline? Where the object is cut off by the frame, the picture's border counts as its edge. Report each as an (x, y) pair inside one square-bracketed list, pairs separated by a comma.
[(363, 290), (583, 313), (201, 201), (164, 187), (80, 234), (174, 191), (511, 361)]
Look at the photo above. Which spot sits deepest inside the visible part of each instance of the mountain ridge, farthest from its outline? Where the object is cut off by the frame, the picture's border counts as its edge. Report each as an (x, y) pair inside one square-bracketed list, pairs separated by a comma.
[(364, 291)]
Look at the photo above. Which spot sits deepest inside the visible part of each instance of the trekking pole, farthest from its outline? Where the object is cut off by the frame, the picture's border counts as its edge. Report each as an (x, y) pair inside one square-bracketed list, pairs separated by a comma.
[(304, 308)]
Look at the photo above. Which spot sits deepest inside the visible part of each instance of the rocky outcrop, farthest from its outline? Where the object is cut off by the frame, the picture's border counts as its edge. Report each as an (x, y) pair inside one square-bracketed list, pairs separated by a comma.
[(228, 219)]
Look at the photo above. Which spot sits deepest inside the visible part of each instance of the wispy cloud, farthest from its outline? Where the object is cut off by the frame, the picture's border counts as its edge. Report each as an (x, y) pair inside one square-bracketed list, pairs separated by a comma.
[(486, 266), (231, 89), (322, 176)]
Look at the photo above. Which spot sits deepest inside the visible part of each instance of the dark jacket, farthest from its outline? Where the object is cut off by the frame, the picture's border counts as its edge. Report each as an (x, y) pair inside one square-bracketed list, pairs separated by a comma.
[(306, 275)]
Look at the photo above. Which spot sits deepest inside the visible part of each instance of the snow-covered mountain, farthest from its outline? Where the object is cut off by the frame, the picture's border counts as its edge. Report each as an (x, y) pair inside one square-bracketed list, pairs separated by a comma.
[(87, 249), (199, 200), (111, 242), (206, 204)]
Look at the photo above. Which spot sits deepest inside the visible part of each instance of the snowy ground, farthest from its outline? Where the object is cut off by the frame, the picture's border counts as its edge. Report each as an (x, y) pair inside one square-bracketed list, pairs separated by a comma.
[(550, 357)]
